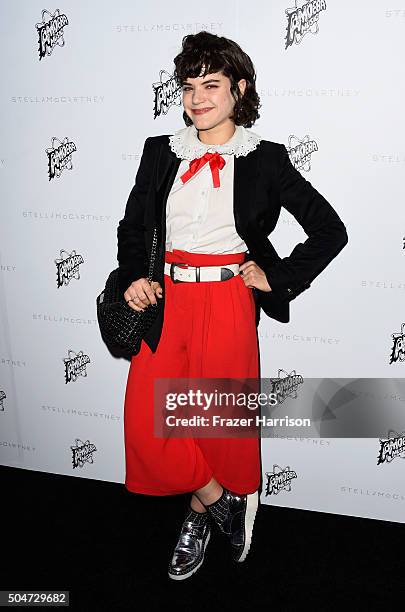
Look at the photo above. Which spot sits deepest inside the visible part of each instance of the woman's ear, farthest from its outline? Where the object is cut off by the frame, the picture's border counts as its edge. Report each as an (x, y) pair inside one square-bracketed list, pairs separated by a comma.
[(242, 86)]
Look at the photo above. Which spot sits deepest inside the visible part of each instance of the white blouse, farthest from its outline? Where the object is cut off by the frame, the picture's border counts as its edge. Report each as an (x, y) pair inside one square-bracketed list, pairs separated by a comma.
[(199, 216)]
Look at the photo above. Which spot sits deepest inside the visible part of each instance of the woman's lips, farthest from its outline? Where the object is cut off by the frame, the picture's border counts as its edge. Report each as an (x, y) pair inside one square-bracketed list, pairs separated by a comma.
[(200, 111)]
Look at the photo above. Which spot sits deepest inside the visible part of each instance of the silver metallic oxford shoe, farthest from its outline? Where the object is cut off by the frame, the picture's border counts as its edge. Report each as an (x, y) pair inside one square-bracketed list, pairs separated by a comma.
[(189, 552), (235, 515)]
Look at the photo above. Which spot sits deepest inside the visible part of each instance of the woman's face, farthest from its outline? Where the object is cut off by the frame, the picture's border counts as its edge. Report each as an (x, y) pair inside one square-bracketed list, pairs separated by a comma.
[(210, 92)]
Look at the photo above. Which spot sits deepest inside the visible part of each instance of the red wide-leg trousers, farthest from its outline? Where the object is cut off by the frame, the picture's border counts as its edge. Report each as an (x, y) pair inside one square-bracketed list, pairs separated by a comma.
[(209, 330)]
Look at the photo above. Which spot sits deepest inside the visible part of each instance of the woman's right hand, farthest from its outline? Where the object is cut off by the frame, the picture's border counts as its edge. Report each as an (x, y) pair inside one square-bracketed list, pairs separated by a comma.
[(140, 294)]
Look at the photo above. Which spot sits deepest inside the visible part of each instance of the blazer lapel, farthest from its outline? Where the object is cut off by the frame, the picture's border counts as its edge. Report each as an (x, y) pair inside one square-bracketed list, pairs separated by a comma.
[(167, 166), (167, 159), (245, 176)]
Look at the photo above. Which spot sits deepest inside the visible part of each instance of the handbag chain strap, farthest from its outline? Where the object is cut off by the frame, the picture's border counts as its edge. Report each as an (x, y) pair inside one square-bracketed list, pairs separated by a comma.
[(153, 255)]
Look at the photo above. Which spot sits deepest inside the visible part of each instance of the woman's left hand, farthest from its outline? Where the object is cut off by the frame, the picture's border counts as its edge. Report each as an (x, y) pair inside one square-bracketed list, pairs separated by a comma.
[(253, 276)]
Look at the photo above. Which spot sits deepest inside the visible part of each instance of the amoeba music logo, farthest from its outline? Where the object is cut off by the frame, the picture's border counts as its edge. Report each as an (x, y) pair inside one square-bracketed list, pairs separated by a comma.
[(286, 385), (2, 398), (67, 267), (82, 453), (392, 447), (398, 346), (50, 32), (302, 19), (167, 93), (300, 152), (75, 365), (59, 156), (279, 480)]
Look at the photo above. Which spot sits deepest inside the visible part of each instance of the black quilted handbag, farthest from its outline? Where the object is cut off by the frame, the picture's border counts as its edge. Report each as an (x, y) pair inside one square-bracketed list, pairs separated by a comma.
[(120, 324)]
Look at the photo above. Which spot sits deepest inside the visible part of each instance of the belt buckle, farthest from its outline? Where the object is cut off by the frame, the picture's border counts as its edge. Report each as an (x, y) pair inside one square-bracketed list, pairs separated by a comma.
[(175, 263), (197, 272)]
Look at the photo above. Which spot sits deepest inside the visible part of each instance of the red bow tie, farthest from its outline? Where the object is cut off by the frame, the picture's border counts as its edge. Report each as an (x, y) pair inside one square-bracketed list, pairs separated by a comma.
[(216, 163)]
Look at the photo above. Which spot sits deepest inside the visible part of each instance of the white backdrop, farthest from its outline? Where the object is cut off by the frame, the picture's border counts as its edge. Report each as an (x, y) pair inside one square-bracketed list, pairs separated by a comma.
[(102, 86)]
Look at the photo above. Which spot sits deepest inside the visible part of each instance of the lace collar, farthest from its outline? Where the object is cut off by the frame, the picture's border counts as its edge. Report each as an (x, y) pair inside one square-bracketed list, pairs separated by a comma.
[(186, 144)]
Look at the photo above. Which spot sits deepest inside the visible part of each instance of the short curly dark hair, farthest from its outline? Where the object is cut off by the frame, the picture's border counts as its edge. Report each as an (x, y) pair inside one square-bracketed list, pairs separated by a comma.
[(220, 54)]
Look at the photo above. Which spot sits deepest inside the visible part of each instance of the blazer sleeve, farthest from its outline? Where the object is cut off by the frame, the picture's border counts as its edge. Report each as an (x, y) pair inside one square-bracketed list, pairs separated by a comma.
[(327, 234), (131, 255)]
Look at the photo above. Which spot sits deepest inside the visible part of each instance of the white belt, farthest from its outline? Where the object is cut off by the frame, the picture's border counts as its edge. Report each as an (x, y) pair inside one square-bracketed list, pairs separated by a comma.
[(200, 273)]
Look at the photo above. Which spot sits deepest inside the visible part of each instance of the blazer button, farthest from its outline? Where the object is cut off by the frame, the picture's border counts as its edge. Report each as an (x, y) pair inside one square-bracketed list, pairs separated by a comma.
[(289, 290)]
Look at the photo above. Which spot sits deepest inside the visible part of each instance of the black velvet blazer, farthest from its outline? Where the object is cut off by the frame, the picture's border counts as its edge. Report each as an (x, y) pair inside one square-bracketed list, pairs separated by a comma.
[(264, 180)]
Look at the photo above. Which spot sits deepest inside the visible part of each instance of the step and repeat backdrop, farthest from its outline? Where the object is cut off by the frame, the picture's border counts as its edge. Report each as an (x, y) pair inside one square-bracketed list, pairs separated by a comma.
[(83, 85)]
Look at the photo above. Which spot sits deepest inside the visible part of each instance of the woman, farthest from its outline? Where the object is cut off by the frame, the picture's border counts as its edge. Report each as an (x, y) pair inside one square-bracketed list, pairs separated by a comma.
[(213, 190)]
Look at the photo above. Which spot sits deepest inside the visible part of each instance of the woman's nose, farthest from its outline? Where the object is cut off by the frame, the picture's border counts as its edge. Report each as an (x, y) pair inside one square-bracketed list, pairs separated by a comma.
[(198, 96)]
